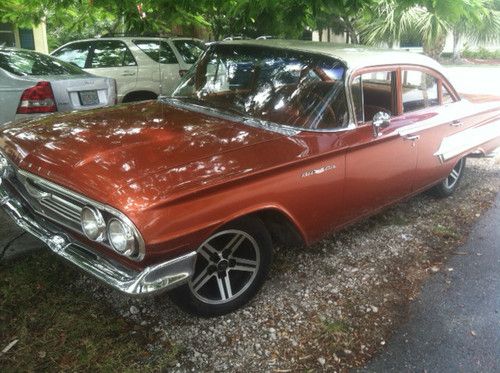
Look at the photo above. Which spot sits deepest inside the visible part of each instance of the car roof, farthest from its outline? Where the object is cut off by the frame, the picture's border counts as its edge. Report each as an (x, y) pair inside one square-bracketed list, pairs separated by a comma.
[(354, 56), (130, 38), (13, 49)]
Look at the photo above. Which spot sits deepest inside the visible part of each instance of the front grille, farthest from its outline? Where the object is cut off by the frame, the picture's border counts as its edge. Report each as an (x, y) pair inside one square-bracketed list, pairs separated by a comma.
[(60, 205), (49, 200)]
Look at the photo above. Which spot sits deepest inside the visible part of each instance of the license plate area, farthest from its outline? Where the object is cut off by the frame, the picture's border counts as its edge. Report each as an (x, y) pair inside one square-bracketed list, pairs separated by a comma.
[(88, 98)]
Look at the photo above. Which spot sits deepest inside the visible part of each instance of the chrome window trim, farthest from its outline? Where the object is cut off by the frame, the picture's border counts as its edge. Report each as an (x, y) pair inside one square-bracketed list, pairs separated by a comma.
[(272, 126)]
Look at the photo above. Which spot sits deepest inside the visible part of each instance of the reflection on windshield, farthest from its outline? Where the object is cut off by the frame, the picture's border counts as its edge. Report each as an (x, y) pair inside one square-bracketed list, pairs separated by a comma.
[(286, 87)]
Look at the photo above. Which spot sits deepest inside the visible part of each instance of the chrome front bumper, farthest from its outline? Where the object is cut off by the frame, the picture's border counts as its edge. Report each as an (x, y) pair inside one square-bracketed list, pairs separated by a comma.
[(152, 279)]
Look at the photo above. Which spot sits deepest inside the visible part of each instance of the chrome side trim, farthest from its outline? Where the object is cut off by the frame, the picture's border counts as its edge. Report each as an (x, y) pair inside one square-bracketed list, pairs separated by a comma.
[(467, 140), (152, 279)]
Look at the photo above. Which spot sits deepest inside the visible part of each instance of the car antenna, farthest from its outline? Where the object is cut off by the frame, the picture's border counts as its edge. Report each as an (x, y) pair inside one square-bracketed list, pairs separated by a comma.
[(142, 16), (159, 67)]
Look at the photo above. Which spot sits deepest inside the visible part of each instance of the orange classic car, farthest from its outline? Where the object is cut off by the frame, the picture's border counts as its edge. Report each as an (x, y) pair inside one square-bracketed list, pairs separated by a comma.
[(263, 143)]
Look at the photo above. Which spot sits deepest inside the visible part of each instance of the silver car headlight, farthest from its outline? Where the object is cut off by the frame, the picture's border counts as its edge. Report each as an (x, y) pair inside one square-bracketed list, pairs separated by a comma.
[(121, 237), (4, 166), (93, 224)]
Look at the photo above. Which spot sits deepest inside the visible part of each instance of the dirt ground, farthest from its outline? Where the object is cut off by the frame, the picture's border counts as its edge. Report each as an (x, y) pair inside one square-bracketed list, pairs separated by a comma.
[(334, 305)]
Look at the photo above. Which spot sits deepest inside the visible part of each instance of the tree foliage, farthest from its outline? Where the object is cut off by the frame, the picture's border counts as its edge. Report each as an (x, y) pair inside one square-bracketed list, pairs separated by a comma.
[(368, 21), (433, 20)]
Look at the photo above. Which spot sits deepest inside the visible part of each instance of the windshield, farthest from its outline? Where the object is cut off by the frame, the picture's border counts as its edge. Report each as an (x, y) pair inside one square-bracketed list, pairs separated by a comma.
[(23, 63), (281, 86)]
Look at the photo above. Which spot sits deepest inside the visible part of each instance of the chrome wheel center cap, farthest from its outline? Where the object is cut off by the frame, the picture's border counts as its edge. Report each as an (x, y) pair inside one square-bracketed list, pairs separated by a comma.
[(222, 265)]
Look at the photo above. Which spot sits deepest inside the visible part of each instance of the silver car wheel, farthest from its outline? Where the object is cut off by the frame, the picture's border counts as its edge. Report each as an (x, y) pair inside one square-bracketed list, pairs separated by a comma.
[(226, 265), (454, 175)]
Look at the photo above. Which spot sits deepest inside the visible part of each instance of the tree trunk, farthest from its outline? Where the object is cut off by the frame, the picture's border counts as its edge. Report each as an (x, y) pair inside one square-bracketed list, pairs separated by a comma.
[(320, 33), (328, 35), (433, 48), (456, 45), (352, 32)]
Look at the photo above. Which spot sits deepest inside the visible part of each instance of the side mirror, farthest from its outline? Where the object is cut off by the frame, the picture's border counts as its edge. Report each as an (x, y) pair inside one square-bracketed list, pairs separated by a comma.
[(380, 120)]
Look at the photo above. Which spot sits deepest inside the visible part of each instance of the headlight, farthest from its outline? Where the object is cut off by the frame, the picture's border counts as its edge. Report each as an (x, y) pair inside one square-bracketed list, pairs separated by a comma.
[(121, 237), (4, 165), (93, 224)]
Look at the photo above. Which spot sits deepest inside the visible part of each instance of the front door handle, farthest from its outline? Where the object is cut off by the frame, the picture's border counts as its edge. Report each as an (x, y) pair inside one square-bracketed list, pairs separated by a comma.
[(456, 123), (128, 73), (411, 137)]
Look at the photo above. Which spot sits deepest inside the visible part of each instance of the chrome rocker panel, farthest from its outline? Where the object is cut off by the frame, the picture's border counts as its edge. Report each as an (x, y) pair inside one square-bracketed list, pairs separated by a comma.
[(152, 279)]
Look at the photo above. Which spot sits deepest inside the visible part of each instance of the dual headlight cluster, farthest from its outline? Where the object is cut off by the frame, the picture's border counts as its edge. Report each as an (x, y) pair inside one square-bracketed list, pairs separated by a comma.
[(119, 234), (4, 166)]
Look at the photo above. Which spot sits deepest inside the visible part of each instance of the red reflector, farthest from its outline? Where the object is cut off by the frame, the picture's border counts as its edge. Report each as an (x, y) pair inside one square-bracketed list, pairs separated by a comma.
[(37, 99)]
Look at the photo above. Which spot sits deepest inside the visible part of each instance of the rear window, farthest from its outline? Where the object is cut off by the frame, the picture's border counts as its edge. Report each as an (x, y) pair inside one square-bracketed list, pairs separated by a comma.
[(24, 63), (190, 50)]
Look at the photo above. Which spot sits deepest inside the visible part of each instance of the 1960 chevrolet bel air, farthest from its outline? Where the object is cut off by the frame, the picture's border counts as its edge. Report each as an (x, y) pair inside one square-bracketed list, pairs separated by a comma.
[(263, 143)]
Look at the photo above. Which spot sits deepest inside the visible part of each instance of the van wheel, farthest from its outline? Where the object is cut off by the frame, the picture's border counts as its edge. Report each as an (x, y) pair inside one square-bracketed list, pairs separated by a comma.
[(231, 267), (448, 186)]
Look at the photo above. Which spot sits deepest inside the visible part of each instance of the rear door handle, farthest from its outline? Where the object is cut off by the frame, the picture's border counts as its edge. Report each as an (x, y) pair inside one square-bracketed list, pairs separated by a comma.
[(128, 73), (456, 123)]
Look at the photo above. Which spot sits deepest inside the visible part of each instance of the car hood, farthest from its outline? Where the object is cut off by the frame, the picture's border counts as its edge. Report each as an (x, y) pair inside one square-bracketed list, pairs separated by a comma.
[(130, 156)]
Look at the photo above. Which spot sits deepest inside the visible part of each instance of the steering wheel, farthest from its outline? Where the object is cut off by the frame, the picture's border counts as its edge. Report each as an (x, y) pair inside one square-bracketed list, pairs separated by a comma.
[(328, 117)]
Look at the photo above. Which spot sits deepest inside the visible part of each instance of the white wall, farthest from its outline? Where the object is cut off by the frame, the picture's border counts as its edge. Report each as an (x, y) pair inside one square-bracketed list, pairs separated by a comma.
[(334, 38)]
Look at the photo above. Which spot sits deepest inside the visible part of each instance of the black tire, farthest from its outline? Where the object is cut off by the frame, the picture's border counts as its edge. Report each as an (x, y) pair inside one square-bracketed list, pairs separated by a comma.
[(139, 96), (448, 186), (231, 267)]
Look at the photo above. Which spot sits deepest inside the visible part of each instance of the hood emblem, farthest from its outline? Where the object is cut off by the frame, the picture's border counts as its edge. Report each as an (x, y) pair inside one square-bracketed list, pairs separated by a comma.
[(318, 171)]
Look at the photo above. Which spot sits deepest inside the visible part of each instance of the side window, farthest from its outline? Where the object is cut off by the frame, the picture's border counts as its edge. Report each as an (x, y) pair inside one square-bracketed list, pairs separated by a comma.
[(373, 92), (420, 90), (152, 49), (75, 54), (111, 53)]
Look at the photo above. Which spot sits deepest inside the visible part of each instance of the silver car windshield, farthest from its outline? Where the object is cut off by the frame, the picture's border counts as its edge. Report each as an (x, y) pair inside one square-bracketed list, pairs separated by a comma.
[(286, 87)]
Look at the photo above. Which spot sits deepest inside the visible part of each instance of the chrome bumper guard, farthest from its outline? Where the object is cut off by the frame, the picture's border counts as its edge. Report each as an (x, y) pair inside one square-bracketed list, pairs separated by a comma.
[(152, 279)]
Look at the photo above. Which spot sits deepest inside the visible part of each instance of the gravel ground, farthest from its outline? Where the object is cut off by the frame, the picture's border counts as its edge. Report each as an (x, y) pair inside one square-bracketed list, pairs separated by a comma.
[(330, 306)]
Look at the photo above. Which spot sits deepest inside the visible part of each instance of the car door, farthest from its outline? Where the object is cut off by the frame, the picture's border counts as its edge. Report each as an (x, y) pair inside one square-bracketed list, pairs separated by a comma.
[(430, 114), (113, 59), (379, 166), (166, 72)]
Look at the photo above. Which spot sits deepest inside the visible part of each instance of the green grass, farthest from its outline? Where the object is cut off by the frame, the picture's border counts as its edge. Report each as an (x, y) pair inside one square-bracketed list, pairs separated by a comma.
[(394, 217), (446, 232), (60, 327), (337, 335)]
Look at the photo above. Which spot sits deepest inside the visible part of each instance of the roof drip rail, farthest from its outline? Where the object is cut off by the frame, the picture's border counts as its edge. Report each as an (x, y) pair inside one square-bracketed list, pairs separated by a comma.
[(138, 35)]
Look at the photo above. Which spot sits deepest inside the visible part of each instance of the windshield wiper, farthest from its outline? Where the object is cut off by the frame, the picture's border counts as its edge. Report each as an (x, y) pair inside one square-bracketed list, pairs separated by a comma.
[(229, 114)]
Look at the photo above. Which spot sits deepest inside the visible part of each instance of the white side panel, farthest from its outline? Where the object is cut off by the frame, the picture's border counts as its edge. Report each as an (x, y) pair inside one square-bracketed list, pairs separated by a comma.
[(467, 140)]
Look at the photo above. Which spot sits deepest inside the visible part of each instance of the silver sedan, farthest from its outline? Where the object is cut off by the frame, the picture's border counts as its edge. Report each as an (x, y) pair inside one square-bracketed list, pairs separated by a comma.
[(33, 84)]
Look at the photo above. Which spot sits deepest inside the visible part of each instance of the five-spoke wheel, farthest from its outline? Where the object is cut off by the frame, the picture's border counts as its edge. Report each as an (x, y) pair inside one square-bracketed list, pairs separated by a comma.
[(448, 185), (227, 264), (230, 268)]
